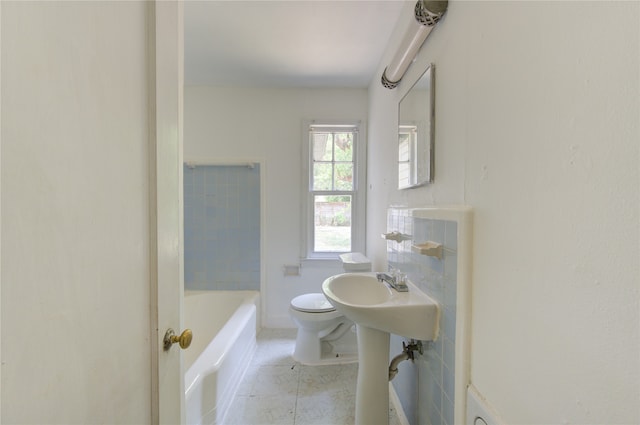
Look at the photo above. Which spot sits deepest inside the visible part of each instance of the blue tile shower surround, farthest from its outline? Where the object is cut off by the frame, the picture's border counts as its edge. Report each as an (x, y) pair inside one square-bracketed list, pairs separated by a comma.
[(426, 387), (222, 227)]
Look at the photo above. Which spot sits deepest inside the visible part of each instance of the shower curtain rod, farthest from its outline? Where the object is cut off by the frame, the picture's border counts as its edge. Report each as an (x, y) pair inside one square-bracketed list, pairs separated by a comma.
[(194, 164)]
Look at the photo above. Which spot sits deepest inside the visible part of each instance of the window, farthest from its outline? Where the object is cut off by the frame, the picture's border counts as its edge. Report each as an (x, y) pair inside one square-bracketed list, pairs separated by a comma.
[(335, 209)]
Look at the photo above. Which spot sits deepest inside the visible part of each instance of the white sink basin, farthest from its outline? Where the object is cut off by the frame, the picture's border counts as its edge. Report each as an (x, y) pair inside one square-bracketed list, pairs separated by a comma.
[(378, 311), (373, 304)]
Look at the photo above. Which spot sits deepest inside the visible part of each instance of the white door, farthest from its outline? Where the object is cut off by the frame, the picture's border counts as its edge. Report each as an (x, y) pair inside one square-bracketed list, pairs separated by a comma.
[(90, 222)]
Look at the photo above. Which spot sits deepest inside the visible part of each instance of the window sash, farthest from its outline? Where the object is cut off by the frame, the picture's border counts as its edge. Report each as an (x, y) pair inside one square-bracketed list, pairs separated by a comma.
[(336, 228), (320, 129)]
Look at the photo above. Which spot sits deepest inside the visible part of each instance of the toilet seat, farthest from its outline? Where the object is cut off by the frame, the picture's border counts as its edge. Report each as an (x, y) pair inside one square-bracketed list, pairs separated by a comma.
[(312, 303), (323, 331)]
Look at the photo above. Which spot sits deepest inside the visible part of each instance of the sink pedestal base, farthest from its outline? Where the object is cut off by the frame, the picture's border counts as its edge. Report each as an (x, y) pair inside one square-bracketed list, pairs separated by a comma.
[(372, 392)]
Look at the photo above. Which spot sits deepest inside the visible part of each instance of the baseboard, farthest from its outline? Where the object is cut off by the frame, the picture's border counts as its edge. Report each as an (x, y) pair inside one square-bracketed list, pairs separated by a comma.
[(395, 401)]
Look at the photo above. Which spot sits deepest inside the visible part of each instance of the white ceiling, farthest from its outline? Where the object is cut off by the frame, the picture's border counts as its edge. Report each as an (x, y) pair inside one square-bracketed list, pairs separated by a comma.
[(294, 43)]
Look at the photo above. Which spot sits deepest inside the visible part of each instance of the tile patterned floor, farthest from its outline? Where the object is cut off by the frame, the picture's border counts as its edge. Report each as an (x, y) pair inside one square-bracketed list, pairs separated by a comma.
[(276, 390)]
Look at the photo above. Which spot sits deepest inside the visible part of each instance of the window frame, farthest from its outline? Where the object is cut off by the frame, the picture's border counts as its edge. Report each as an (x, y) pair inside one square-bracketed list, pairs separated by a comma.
[(358, 191)]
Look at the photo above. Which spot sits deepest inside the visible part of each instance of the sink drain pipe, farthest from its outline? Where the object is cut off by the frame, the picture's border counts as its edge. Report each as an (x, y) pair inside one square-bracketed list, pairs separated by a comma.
[(407, 353)]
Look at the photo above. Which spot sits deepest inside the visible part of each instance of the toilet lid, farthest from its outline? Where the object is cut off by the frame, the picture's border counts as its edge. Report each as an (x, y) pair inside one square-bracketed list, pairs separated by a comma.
[(312, 303)]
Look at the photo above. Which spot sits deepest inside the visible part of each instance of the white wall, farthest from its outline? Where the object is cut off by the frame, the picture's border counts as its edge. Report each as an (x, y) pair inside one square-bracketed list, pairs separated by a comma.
[(537, 110), (266, 125)]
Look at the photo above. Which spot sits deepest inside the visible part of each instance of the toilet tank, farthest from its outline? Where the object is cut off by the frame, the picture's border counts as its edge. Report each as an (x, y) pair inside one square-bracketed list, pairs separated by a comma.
[(355, 262)]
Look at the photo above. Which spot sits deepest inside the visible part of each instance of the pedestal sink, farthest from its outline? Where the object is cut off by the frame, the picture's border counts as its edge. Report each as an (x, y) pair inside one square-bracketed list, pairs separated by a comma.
[(379, 310)]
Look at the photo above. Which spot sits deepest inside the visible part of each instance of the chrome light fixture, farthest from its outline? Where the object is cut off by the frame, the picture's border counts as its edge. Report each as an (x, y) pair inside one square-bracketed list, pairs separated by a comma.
[(427, 14)]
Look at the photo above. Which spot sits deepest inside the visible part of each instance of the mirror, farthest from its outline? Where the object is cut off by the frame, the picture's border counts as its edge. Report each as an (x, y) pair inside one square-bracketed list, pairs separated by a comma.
[(416, 133)]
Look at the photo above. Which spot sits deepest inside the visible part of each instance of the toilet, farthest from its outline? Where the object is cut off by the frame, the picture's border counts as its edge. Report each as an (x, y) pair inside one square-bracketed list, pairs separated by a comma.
[(325, 336)]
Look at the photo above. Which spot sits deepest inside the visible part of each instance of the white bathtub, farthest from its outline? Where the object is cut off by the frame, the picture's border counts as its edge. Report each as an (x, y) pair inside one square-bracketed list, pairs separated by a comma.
[(224, 325)]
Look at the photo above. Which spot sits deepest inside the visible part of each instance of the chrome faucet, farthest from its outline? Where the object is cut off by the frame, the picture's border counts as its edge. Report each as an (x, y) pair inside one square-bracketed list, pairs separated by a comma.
[(396, 280)]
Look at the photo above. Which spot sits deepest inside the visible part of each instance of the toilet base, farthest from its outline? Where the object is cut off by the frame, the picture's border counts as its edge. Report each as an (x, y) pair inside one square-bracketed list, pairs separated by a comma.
[(311, 351)]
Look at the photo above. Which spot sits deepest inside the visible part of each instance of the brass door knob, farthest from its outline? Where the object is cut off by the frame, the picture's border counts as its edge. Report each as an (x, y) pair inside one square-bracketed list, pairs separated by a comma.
[(184, 339)]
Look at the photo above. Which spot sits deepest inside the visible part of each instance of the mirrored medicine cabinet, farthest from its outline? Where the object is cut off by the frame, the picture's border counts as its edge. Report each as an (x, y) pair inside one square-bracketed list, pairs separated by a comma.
[(416, 113)]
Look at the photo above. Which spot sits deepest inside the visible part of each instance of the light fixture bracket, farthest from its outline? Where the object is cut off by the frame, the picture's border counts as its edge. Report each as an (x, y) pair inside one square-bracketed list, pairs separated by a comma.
[(386, 83), (429, 13)]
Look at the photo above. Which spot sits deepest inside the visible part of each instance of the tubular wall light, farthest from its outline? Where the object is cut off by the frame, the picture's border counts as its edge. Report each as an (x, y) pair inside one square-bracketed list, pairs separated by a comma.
[(427, 14)]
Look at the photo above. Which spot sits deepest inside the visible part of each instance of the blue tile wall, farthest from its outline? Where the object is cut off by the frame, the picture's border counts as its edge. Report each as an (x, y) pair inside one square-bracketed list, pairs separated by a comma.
[(222, 227), (433, 372)]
